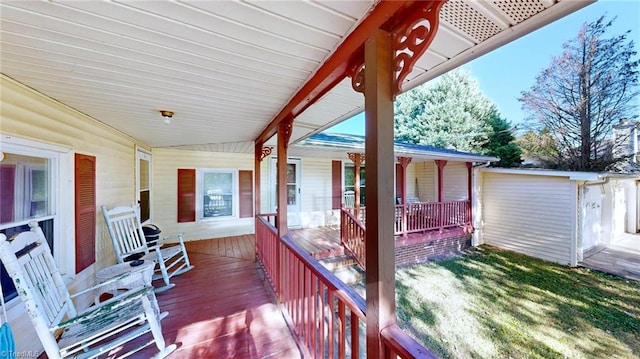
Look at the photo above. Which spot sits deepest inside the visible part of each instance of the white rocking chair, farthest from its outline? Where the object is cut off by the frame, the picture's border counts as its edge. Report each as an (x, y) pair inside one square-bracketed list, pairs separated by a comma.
[(87, 334), (128, 239)]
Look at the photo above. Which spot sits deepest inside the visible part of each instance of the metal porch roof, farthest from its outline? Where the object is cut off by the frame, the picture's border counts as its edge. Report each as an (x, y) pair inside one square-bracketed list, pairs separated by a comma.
[(226, 68)]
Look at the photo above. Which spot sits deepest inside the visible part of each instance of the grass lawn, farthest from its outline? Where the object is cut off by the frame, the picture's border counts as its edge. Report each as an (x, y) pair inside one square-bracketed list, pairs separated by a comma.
[(500, 304)]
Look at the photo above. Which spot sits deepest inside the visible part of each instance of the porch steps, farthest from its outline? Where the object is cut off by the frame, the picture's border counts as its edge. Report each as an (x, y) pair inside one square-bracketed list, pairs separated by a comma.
[(345, 268)]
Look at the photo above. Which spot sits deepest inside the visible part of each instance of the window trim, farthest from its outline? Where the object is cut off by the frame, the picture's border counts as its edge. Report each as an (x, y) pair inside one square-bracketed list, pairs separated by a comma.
[(61, 165), (235, 201)]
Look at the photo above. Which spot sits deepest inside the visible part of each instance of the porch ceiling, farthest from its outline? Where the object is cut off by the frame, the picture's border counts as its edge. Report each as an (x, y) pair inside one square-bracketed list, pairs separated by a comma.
[(225, 68)]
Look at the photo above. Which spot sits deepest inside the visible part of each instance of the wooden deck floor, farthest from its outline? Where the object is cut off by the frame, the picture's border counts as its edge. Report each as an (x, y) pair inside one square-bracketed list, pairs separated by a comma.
[(221, 308)]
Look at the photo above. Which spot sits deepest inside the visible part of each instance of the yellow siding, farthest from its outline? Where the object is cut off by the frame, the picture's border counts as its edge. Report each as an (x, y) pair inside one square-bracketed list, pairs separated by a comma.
[(529, 214), (316, 191), (165, 181), (427, 181), (28, 114), (455, 186)]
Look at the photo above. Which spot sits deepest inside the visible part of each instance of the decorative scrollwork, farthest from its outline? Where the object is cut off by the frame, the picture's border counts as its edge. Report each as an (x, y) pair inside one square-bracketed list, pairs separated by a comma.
[(356, 157), (412, 38), (404, 161), (357, 78), (266, 151)]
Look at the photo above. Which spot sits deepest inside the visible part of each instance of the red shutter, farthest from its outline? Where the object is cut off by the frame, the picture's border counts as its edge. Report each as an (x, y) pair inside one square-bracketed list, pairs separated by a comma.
[(245, 182), (186, 195), (399, 182), (336, 184), (7, 191), (85, 208)]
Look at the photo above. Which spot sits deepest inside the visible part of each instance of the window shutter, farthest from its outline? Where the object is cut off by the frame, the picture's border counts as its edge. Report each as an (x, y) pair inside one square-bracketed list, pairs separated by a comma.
[(245, 179), (186, 195), (85, 211), (336, 184), (7, 191), (399, 182)]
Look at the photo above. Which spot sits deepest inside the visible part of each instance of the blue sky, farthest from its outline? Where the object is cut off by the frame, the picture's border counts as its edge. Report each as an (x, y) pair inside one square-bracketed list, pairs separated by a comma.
[(504, 73)]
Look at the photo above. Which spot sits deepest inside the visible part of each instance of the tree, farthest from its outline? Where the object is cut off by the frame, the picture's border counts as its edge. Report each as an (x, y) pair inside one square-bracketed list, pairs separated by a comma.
[(583, 93), (449, 114), (501, 142), (539, 147)]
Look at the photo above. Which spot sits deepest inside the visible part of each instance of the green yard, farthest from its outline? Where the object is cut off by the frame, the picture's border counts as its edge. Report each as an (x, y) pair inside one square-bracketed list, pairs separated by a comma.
[(498, 304)]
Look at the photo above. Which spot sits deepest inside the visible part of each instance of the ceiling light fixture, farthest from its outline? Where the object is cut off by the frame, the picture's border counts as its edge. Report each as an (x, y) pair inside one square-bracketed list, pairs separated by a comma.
[(167, 116)]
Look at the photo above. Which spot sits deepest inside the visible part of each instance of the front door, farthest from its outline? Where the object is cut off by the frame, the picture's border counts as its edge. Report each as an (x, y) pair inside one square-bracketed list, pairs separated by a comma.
[(143, 184), (293, 191)]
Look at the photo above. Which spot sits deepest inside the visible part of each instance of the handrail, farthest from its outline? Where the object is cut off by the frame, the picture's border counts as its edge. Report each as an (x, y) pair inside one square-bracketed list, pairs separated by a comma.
[(397, 343), (316, 304), (352, 236)]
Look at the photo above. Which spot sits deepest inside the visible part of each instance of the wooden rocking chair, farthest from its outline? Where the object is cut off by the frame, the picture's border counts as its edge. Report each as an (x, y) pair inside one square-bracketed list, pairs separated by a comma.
[(128, 240), (87, 334)]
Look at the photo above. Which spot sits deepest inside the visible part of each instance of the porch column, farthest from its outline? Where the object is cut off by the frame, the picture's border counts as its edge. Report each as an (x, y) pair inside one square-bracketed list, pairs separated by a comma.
[(260, 153), (440, 164), (379, 241), (357, 159), (404, 163), (469, 193), (284, 134)]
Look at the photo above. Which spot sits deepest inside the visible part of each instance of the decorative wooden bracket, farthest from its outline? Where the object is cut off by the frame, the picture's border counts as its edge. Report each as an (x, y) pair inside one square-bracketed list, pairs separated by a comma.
[(404, 161), (356, 157), (266, 151), (412, 38)]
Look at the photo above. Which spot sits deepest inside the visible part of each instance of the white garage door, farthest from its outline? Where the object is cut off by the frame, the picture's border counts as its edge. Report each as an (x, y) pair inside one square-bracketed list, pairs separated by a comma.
[(529, 214)]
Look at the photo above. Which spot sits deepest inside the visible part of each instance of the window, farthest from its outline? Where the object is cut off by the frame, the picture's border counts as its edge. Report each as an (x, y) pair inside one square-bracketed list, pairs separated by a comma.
[(218, 192), (349, 180), (30, 181), (143, 184)]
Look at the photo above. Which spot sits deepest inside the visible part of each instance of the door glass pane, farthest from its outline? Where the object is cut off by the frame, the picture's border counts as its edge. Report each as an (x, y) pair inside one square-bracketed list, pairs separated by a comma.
[(291, 194), (291, 173)]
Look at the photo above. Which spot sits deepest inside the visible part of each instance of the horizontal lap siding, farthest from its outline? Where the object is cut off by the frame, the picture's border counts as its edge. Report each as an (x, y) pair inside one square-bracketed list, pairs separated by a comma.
[(165, 169), (28, 114), (529, 214), (426, 175), (316, 190), (455, 185)]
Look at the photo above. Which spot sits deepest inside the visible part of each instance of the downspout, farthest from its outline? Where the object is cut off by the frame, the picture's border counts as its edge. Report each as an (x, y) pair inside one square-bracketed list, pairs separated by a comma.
[(476, 237), (579, 255)]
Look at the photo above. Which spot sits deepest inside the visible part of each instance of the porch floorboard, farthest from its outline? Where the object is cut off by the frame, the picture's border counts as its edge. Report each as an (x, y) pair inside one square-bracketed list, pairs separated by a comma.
[(222, 308)]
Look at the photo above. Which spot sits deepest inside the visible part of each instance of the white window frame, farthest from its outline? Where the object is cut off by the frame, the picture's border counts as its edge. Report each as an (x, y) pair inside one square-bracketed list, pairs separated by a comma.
[(142, 154), (200, 193), (61, 176)]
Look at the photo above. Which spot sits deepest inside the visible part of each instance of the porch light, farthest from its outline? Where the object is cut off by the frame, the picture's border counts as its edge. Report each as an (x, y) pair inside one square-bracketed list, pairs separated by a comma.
[(167, 116)]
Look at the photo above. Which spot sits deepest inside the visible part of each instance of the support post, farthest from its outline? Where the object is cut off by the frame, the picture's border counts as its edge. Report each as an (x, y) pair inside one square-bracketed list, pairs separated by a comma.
[(404, 162), (440, 164), (470, 192), (357, 159), (379, 151), (284, 134)]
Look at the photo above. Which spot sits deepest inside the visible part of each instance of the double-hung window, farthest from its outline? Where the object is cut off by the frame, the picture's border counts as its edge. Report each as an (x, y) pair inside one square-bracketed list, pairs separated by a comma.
[(217, 193), (29, 186)]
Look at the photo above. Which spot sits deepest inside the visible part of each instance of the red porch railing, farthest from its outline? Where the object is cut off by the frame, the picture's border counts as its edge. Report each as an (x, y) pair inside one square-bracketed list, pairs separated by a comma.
[(352, 232), (326, 317)]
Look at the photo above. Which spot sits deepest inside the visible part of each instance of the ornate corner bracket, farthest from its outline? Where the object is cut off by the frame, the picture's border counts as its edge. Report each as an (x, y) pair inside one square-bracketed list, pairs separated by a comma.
[(265, 151), (412, 38), (404, 161), (356, 157)]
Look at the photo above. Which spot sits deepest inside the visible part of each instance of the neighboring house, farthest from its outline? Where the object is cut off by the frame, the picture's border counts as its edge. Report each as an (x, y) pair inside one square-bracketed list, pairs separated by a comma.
[(555, 215), (627, 139)]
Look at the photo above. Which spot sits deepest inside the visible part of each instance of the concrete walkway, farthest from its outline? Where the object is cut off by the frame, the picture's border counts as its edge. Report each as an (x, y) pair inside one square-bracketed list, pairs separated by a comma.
[(621, 257)]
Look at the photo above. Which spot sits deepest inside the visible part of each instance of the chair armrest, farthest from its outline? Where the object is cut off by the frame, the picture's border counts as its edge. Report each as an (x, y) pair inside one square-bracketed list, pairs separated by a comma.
[(179, 236), (105, 284), (131, 295)]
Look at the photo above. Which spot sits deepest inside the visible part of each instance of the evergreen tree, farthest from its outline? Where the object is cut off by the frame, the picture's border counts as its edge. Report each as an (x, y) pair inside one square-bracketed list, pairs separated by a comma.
[(583, 93), (501, 142), (452, 113)]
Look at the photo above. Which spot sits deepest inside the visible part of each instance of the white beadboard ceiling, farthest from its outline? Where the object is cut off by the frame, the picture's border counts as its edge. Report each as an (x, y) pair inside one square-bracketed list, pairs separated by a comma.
[(226, 68)]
